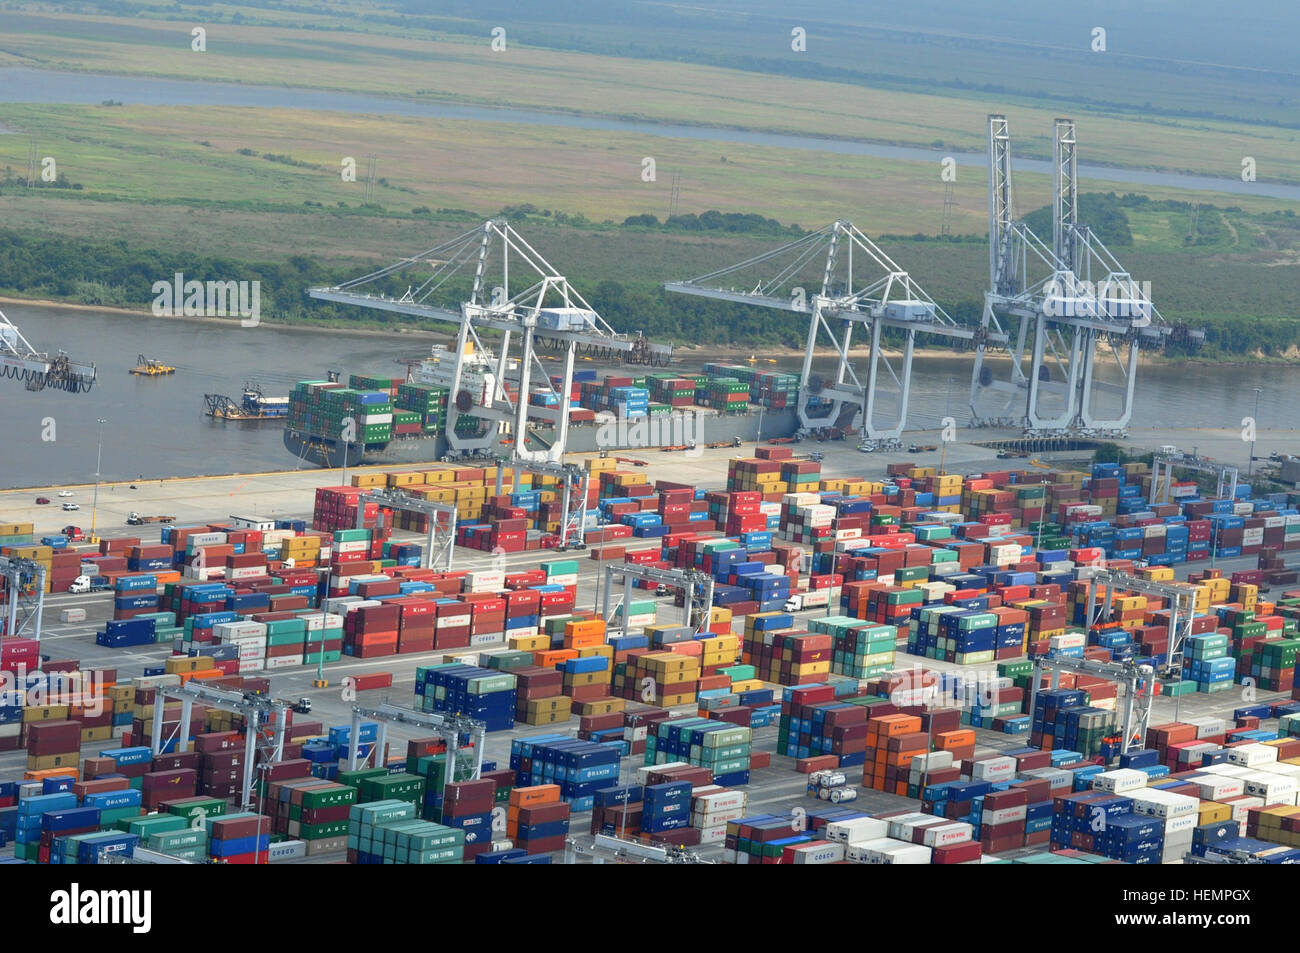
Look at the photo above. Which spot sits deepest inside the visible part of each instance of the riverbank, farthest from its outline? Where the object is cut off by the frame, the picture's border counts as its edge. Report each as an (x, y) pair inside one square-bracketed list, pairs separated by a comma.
[(294, 326), (762, 354)]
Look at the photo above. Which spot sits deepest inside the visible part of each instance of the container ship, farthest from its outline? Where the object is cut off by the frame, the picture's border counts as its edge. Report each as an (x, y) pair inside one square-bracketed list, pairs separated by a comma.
[(380, 419), (375, 420)]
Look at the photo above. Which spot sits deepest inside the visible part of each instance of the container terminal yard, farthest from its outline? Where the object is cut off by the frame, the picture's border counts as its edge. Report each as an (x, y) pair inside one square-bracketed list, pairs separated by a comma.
[(960, 701)]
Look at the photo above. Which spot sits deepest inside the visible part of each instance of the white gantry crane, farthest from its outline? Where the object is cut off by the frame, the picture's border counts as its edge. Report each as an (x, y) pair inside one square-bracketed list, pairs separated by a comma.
[(1136, 680), (853, 284), (441, 518), (1162, 475), (1067, 306), (572, 481), (22, 597), (1181, 599), (697, 593), (266, 724), (37, 370), (548, 312)]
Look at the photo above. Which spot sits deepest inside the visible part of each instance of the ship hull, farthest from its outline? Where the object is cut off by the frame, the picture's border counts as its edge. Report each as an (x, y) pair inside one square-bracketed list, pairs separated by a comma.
[(312, 450), (678, 429), (683, 428)]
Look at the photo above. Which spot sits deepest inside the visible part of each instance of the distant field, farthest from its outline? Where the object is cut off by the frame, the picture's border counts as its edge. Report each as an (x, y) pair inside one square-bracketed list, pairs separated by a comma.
[(1205, 61), (454, 67), (150, 155), (246, 188)]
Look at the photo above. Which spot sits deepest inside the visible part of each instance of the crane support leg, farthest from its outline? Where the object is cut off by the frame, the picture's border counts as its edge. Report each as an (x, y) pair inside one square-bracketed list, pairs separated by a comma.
[(183, 736), (155, 740), (894, 429), (250, 752), (1126, 391), (354, 743)]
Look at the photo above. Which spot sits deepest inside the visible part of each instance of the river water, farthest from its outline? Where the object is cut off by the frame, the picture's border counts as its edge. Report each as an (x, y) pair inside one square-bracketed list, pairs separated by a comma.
[(157, 426), (22, 85)]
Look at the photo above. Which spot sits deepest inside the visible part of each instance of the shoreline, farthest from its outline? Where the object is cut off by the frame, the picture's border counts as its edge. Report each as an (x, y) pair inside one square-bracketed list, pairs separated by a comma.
[(233, 322), (727, 352), (1218, 443)]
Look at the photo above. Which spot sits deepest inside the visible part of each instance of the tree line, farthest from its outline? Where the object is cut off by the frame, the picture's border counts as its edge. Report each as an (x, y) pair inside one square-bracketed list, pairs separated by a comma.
[(118, 274)]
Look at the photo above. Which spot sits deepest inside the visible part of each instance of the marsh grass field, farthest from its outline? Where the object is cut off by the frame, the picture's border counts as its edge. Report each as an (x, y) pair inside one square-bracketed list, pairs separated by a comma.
[(244, 185), (891, 86)]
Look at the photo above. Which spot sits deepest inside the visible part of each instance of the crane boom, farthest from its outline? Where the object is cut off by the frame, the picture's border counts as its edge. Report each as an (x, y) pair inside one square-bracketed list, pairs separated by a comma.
[(38, 370), (549, 312), (816, 276)]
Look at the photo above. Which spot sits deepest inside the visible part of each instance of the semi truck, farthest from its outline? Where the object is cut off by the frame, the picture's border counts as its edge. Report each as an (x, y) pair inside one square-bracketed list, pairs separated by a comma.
[(135, 519)]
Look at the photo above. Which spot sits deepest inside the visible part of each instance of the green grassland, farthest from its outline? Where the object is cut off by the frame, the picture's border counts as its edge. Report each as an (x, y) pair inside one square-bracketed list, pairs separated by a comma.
[(1193, 58), (258, 192), (224, 158), (450, 60)]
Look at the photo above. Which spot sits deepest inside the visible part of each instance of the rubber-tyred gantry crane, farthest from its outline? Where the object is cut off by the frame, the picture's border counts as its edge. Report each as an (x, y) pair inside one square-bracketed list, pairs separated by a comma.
[(854, 284), (38, 370), (22, 597), (547, 312)]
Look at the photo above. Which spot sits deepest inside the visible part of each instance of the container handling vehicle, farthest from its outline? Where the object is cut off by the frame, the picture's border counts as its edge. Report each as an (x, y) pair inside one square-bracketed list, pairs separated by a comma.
[(135, 519)]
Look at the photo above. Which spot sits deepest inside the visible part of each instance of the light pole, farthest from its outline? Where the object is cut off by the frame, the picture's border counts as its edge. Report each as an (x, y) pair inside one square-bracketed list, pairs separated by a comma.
[(1042, 513), (347, 446), (600, 573), (1250, 466), (99, 453)]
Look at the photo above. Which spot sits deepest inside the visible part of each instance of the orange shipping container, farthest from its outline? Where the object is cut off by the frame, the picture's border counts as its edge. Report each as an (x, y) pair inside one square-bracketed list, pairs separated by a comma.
[(536, 794), (887, 726), (549, 658), (947, 740)]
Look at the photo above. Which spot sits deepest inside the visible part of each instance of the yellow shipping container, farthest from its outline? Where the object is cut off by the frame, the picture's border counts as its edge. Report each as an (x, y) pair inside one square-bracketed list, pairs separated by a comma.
[(53, 761), (663, 678), (45, 713), (606, 651), (674, 700), (1157, 573), (176, 664)]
